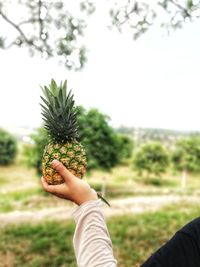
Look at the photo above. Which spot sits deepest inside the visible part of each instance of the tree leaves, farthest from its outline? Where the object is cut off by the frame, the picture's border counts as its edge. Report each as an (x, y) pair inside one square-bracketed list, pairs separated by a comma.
[(47, 28), (152, 158), (54, 31)]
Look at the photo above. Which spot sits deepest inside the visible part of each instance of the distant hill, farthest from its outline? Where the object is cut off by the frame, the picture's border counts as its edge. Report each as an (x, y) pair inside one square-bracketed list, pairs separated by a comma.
[(166, 136)]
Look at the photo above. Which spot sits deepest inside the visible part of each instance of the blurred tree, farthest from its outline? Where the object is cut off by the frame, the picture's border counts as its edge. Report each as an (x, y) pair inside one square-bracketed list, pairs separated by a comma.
[(102, 143), (140, 15), (126, 146), (33, 152), (45, 27), (151, 158), (8, 147), (51, 29), (105, 148), (186, 157)]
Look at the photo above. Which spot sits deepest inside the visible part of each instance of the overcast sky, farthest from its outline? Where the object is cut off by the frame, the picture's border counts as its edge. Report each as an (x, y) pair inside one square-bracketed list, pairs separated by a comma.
[(152, 82)]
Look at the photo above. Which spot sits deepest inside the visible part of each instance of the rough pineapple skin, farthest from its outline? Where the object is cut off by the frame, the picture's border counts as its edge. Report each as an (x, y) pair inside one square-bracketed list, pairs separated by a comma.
[(71, 154)]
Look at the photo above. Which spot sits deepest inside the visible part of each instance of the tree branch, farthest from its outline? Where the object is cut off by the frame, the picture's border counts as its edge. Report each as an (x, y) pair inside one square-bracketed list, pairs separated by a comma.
[(27, 21), (22, 34), (39, 19), (181, 8), (16, 27), (42, 33)]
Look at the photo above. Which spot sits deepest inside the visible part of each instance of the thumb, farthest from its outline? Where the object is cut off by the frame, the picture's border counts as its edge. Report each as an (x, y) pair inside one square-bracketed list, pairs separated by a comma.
[(60, 168)]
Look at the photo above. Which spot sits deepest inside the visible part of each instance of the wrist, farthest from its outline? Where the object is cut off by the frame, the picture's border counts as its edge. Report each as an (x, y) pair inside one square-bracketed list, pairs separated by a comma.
[(85, 197), (86, 200)]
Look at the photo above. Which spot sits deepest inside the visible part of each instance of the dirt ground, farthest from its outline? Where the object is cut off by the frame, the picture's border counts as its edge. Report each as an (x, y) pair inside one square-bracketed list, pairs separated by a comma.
[(132, 205)]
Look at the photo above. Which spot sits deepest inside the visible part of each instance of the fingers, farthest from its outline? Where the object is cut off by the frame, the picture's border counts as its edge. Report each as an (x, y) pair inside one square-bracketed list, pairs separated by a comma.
[(46, 186), (60, 190), (60, 168)]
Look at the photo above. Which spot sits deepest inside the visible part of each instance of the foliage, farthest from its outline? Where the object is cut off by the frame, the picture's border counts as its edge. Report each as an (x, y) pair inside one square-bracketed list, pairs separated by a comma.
[(104, 147), (59, 112), (33, 152), (8, 147), (186, 155), (54, 29), (100, 140), (140, 16), (152, 158), (49, 28), (134, 237), (126, 146)]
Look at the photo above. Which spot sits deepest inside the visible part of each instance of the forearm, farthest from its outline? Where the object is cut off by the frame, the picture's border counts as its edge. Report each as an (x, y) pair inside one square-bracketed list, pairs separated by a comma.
[(92, 243)]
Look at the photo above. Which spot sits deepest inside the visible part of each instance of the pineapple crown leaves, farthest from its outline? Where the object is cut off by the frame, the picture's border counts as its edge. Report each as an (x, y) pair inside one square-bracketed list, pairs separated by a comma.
[(59, 112)]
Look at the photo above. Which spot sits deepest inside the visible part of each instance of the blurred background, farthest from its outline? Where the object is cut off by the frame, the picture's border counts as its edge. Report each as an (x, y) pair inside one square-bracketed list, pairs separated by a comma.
[(133, 69)]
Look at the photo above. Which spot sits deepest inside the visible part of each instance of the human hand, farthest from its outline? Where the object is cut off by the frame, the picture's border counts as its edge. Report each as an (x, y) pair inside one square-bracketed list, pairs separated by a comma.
[(74, 189)]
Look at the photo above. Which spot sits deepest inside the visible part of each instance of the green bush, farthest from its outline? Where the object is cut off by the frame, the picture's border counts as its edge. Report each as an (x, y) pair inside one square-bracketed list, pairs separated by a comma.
[(33, 152), (8, 147), (126, 146), (103, 144), (186, 155), (151, 158), (105, 148)]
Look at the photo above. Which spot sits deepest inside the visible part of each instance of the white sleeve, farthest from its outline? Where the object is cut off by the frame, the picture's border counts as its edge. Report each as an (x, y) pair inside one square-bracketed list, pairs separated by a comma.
[(92, 244)]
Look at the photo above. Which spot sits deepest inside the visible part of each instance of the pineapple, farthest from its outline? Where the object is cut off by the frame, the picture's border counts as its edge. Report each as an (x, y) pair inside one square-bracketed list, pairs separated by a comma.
[(59, 115)]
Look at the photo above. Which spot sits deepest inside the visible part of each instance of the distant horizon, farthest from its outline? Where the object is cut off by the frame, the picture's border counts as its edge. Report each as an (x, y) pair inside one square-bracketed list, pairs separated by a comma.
[(32, 129)]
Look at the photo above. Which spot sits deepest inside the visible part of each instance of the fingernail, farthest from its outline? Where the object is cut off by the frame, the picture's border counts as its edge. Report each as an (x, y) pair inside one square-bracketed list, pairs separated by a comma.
[(55, 162)]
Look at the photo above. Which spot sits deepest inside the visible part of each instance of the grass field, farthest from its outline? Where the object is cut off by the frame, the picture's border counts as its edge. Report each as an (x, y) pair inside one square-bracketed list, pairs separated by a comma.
[(134, 238), (20, 187), (49, 243)]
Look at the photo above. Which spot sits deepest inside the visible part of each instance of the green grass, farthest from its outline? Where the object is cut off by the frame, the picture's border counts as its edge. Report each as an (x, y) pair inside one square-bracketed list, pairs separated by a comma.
[(20, 187), (134, 238), (21, 199), (3, 180), (46, 244)]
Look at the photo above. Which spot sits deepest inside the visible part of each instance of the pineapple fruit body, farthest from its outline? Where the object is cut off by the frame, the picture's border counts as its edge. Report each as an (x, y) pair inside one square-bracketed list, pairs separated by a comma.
[(60, 117), (71, 154)]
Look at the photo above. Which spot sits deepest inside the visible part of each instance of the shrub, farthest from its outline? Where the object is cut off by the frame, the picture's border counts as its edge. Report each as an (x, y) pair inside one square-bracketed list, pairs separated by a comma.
[(105, 148), (8, 147), (33, 152), (151, 158), (126, 146), (186, 155), (102, 143)]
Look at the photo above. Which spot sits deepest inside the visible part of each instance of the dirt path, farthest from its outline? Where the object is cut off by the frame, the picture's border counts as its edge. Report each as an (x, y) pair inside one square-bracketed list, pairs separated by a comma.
[(132, 205)]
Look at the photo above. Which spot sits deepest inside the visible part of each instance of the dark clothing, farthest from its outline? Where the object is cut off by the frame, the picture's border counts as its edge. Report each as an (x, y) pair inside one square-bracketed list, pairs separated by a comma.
[(182, 250)]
